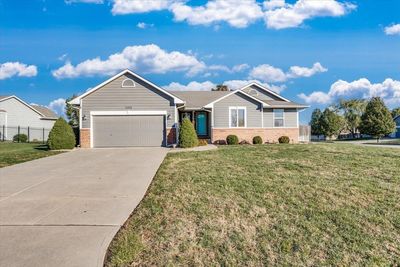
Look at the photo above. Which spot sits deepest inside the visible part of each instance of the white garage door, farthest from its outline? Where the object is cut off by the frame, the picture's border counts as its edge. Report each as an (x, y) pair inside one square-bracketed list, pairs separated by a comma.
[(128, 131)]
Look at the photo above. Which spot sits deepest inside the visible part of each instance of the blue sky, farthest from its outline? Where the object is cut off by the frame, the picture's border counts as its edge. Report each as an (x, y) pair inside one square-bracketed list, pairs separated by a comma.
[(311, 51)]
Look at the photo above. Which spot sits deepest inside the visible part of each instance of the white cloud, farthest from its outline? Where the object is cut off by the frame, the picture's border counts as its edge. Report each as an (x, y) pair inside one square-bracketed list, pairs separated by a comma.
[(141, 58), (237, 13), (240, 67), (10, 69), (84, 1), (296, 71), (268, 73), (393, 30), (272, 4), (316, 97), (234, 69), (58, 106), (122, 7), (389, 90), (293, 15), (192, 86), (62, 57), (143, 25)]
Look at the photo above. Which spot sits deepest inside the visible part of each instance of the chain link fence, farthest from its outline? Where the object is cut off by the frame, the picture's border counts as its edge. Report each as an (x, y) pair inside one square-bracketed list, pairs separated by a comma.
[(33, 134)]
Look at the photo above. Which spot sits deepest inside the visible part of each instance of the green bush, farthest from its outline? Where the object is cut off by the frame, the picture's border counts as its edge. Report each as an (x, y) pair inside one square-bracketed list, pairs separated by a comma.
[(23, 138), (61, 136), (284, 140), (257, 140), (187, 134), (232, 139)]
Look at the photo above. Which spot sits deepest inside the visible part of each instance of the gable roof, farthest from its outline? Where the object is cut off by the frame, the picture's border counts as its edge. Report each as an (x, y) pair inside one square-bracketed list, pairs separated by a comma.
[(199, 99), (265, 89), (76, 100), (209, 105), (4, 96), (47, 113), (23, 102)]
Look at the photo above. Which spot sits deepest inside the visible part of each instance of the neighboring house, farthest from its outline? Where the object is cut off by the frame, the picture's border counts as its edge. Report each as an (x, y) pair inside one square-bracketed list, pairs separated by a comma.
[(396, 133), (16, 115), (128, 110)]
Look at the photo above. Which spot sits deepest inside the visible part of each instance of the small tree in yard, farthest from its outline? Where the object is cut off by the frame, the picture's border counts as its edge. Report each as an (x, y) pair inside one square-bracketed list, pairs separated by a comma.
[(187, 134), (315, 122), (71, 112), (377, 120), (220, 87), (61, 136), (331, 123), (352, 112), (396, 112)]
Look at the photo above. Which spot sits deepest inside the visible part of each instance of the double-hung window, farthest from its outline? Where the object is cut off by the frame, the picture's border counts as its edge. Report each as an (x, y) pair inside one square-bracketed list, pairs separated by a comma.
[(279, 118), (237, 117)]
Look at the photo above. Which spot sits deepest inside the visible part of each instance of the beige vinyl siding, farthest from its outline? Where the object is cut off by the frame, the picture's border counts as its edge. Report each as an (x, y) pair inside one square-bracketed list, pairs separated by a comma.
[(268, 117), (114, 97), (261, 94), (221, 110), (290, 118)]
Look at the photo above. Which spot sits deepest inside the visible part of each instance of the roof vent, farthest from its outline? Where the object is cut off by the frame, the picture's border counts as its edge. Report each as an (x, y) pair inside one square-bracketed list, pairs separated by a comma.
[(253, 92), (128, 83)]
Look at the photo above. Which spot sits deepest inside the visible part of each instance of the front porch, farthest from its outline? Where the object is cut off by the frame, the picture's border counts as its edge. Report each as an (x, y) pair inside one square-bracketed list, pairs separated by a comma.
[(201, 120)]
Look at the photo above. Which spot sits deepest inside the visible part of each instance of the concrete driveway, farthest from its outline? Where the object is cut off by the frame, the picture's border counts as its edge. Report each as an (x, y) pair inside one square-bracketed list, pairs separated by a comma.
[(64, 210)]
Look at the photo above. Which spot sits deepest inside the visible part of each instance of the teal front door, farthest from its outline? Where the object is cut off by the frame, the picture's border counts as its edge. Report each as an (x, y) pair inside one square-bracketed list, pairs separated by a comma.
[(201, 123)]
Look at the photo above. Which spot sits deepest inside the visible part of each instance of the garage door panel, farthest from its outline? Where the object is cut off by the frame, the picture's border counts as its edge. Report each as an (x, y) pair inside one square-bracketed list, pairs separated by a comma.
[(122, 131)]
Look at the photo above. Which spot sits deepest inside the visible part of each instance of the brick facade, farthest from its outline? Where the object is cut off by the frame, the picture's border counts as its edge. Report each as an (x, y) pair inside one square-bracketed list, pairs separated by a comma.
[(85, 138), (269, 135), (171, 136)]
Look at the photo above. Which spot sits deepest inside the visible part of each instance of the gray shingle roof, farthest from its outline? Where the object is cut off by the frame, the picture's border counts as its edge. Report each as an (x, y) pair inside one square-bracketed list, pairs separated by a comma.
[(4, 96), (198, 99), (47, 113)]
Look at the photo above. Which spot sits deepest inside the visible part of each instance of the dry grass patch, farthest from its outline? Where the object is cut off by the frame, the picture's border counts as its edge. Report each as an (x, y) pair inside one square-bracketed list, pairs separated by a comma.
[(322, 204)]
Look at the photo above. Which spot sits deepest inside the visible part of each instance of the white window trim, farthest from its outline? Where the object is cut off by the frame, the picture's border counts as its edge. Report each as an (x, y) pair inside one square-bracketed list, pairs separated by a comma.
[(245, 116), (128, 86), (284, 119)]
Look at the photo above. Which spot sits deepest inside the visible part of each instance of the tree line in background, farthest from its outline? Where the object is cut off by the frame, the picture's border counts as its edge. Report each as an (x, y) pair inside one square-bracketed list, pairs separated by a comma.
[(355, 116)]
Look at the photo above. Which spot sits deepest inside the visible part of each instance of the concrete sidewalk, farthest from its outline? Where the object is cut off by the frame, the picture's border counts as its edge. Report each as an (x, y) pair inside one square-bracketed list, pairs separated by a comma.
[(64, 210), (371, 143)]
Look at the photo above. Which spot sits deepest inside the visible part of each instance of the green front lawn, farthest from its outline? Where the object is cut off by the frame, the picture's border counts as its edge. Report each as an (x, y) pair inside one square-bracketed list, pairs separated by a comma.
[(13, 153), (321, 204)]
